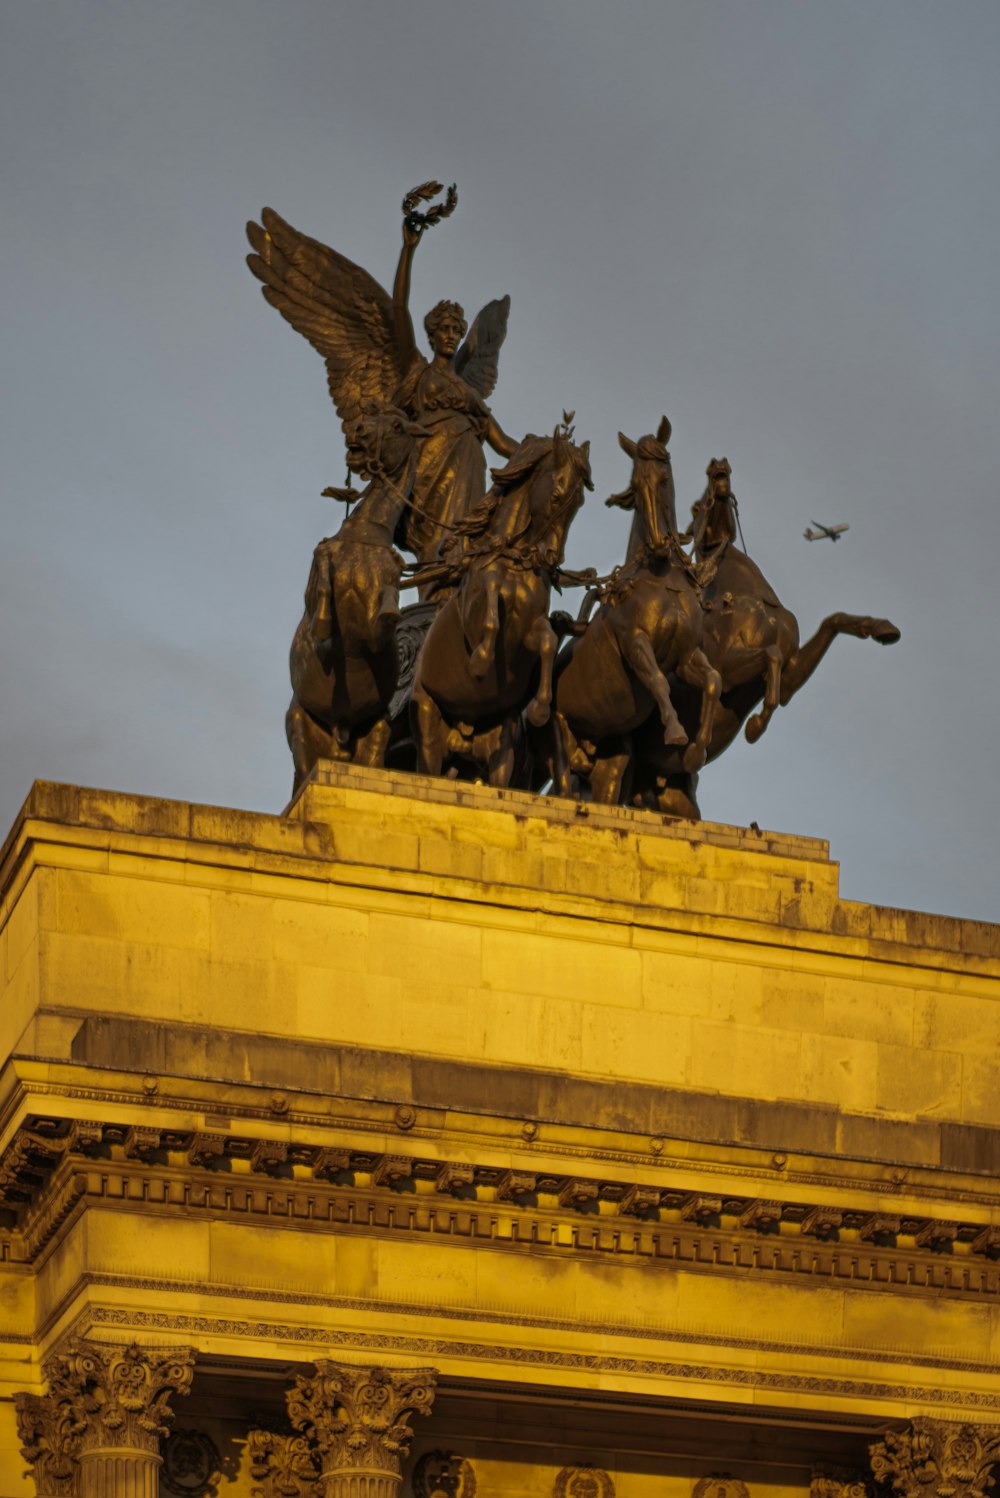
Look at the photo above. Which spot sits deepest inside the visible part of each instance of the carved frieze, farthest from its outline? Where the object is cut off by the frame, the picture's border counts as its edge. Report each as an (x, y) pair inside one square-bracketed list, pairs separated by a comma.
[(936, 1459)]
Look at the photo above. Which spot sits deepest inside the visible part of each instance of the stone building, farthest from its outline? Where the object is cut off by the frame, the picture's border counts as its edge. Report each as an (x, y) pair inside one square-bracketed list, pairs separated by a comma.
[(488, 1144)]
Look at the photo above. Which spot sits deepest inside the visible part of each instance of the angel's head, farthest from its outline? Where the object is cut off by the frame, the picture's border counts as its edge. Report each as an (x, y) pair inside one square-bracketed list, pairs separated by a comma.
[(446, 327)]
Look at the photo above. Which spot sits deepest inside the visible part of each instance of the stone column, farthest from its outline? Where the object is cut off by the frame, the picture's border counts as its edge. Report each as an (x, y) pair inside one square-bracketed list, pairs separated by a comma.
[(96, 1434), (937, 1459), (357, 1421)]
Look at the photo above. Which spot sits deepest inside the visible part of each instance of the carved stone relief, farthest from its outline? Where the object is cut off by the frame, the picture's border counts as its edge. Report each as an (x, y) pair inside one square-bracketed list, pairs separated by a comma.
[(584, 1481), (836, 1482), (102, 1402), (443, 1474), (49, 1431), (720, 1485), (191, 1462), (282, 1465), (935, 1459)]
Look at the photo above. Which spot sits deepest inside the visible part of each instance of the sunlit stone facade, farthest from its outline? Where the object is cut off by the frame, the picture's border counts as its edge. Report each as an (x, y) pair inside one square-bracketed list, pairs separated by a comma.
[(438, 1139)]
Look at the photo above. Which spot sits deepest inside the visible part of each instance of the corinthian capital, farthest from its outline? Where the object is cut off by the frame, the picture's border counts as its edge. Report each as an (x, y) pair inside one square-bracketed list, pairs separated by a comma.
[(358, 1418), (281, 1465), (936, 1459), (49, 1432), (119, 1396)]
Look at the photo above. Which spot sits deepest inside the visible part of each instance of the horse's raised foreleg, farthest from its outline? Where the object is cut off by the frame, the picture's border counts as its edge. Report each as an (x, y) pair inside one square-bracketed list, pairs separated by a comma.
[(640, 655), (482, 656), (429, 731), (697, 670), (543, 641), (772, 695), (803, 663)]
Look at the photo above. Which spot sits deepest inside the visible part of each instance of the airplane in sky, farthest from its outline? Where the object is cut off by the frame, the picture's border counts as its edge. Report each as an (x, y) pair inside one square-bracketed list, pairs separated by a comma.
[(820, 534)]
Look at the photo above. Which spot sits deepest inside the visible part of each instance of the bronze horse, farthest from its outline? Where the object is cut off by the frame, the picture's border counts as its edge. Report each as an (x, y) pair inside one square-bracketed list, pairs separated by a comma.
[(343, 659), (492, 636), (752, 641), (610, 678)]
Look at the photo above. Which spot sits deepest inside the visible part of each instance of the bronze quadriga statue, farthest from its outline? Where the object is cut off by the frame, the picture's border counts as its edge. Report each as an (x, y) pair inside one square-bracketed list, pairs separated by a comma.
[(671, 654)]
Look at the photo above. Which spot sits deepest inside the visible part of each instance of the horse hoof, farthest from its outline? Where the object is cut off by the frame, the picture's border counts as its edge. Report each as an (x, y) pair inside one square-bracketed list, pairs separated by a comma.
[(885, 632), (538, 714), (755, 727), (694, 758), (674, 736)]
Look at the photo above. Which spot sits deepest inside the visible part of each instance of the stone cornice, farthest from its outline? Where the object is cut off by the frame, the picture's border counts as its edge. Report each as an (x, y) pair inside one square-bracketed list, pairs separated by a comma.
[(56, 1167), (953, 1166)]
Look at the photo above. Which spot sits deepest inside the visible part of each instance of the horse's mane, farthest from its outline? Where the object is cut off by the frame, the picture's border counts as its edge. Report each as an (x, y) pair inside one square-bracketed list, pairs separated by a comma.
[(517, 471), (522, 463)]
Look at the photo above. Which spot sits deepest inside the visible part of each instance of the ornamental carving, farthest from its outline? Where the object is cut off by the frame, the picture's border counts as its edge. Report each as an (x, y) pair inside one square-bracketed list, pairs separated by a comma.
[(191, 1463), (835, 1482), (50, 1432), (119, 1396), (720, 1485), (584, 1481), (282, 1466), (359, 1417), (933, 1459), (443, 1474)]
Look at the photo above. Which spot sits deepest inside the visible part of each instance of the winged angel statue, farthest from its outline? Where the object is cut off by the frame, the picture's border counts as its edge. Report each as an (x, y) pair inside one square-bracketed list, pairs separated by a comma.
[(367, 341)]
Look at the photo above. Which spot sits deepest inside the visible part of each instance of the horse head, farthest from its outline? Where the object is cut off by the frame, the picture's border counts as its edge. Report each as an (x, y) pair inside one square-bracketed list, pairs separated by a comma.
[(381, 443), (537, 493), (650, 494), (558, 496)]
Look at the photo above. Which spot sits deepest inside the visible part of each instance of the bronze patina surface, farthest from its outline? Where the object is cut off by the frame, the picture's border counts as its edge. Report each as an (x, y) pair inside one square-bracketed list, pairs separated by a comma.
[(688, 643)]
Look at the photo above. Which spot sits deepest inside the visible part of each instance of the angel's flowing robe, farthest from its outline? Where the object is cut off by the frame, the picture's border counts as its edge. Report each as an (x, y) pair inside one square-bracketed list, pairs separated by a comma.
[(451, 464)]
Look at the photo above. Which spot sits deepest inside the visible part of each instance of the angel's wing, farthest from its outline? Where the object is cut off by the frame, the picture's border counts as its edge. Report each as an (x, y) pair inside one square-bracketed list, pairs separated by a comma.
[(343, 312), (476, 361)]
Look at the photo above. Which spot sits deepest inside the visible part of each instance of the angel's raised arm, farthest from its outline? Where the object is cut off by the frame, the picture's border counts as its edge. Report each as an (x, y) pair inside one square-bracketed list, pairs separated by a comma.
[(405, 341)]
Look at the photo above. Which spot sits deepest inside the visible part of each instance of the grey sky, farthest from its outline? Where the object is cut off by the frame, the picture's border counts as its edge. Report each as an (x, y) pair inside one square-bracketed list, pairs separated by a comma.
[(776, 222)]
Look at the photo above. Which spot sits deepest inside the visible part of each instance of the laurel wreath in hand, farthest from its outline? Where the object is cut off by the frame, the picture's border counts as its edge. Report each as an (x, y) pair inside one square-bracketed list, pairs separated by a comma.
[(423, 194)]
